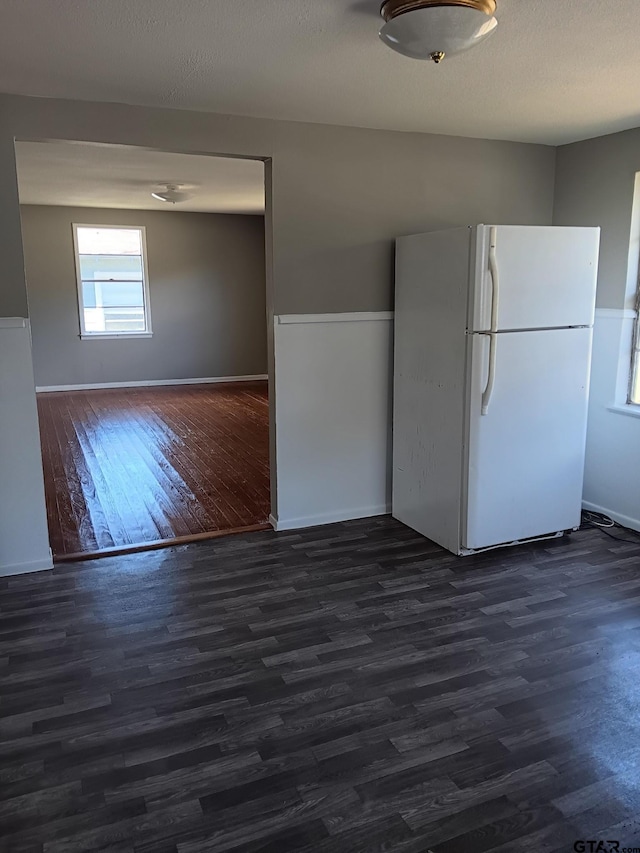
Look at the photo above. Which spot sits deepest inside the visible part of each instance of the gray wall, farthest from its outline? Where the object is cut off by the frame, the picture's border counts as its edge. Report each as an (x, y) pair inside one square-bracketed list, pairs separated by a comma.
[(207, 296), (595, 186), (339, 196)]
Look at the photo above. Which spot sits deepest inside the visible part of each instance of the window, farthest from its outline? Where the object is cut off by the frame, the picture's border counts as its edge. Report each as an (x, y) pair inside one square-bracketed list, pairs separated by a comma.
[(113, 291), (629, 395), (634, 388)]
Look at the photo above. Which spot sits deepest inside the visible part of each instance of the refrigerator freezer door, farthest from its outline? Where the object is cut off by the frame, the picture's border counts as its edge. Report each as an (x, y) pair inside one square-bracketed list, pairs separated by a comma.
[(544, 277), (526, 455)]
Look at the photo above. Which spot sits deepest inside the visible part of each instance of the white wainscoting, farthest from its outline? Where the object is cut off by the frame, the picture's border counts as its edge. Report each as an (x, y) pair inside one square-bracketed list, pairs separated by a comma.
[(333, 417), (612, 484), (24, 539), (148, 383)]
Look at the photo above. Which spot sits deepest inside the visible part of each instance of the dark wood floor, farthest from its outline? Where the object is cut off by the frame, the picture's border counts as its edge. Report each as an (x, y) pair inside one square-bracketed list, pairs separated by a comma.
[(138, 465), (347, 688)]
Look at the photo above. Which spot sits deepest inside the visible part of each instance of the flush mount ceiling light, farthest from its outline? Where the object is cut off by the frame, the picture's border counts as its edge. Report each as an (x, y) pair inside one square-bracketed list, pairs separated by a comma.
[(172, 193), (433, 29)]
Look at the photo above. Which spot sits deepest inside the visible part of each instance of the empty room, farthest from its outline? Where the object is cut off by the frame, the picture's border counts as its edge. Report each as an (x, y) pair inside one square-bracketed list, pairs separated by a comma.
[(148, 324), (320, 426)]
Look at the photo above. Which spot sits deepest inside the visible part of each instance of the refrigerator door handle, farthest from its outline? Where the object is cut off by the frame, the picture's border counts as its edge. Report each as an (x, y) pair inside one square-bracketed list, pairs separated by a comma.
[(495, 278), (495, 304), (491, 377)]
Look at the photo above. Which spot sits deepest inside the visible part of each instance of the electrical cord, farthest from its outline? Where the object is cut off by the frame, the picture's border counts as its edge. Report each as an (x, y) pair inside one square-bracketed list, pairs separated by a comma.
[(598, 521)]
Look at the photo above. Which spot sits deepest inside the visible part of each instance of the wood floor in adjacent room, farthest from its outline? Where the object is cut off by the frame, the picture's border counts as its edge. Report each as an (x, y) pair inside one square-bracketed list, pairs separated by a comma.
[(346, 688), (138, 465)]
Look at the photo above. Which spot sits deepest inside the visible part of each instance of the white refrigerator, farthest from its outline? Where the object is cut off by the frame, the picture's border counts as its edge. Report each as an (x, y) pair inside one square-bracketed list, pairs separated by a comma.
[(492, 352)]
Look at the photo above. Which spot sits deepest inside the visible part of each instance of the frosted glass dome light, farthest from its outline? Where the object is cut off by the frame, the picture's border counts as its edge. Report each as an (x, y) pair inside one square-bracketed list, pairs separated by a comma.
[(172, 193), (435, 29)]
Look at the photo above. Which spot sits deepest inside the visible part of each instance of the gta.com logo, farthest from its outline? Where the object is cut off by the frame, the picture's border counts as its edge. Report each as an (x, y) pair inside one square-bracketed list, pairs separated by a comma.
[(603, 847)]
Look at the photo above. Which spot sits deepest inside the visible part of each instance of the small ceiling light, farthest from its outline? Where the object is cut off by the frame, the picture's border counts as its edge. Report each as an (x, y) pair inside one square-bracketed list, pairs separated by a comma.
[(172, 194), (435, 29)]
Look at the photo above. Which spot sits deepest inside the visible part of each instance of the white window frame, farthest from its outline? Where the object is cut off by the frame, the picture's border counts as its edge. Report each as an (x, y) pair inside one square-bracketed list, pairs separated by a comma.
[(634, 379), (632, 306), (628, 364), (101, 336)]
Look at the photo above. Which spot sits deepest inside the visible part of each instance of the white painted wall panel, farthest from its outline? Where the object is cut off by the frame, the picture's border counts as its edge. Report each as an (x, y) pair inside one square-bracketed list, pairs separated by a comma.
[(24, 539), (333, 417), (612, 480)]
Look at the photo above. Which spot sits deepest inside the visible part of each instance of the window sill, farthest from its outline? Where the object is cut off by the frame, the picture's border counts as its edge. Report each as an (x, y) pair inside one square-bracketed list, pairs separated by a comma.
[(629, 409), (115, 336)]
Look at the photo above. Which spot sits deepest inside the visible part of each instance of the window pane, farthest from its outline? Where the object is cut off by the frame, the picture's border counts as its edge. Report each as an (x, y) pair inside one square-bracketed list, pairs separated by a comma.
[(124, 320), (113, 294), (109, 241), (635, 380), (88, 294), (122, 293), (111, 272), (124, 267), (114, 320)]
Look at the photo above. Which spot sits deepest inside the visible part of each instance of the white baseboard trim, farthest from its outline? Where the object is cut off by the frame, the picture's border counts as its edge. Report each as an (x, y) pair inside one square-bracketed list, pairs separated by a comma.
[(348, 317), (147, 383), (26, 568), (329, 517), (624, 520)]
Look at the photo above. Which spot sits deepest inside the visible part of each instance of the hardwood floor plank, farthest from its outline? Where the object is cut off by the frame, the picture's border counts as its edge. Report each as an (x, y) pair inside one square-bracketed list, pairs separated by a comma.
[(119, 478), (140, 479), (194, 445), (199, 469), (185, 503), (49, 458), (66, 526), (81, 489), (91, 494), (96, 464), (179, 456), (125, 467)]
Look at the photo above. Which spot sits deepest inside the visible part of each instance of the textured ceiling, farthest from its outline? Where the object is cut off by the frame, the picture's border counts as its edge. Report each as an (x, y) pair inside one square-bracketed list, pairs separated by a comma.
[(82, 175), (555, 71)]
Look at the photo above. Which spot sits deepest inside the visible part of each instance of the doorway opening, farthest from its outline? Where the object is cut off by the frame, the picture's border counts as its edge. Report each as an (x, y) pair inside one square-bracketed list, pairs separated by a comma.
[(149, 333)]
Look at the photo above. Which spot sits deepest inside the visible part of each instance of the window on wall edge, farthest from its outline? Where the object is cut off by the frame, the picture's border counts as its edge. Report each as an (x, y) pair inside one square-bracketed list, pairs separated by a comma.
[(634, 385)]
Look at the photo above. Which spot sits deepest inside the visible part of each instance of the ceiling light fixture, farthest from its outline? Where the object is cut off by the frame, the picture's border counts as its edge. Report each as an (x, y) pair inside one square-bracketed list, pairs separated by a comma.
[(172, 193), (433, 29)]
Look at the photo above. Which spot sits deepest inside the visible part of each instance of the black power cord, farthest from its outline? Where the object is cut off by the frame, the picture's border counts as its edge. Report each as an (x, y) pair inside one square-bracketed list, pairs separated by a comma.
[(605, 524)]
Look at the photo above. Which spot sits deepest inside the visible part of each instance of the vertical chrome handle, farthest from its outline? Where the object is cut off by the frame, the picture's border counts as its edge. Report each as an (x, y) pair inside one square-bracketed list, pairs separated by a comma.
[(495, 304)]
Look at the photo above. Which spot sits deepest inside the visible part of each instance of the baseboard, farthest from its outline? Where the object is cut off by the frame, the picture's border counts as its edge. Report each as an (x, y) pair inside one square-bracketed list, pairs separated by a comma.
[(624, 520), (329, 517), (147, 383), (26, 568)]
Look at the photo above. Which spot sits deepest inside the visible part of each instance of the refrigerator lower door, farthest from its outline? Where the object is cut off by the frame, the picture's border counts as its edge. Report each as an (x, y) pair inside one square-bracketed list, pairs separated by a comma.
[(525, 456)]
